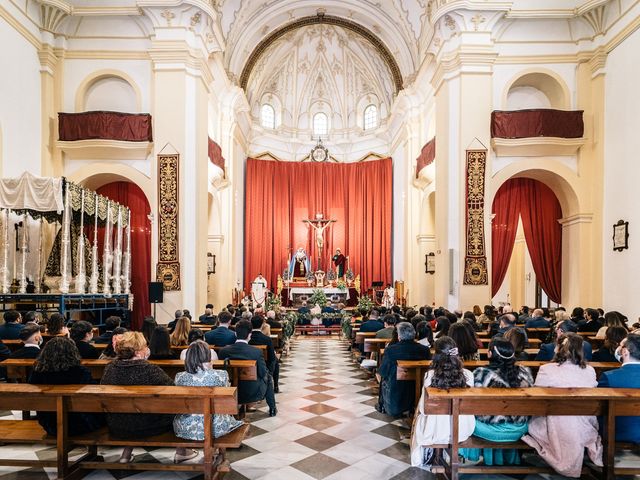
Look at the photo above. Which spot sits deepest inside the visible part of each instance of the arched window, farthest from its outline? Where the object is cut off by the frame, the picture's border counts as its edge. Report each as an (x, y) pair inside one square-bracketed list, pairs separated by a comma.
[(268, 116), (320, 124), (370, 117)]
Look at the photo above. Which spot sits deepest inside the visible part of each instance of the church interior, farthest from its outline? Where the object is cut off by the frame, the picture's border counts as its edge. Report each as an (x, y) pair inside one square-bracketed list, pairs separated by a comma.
[(337, 178)]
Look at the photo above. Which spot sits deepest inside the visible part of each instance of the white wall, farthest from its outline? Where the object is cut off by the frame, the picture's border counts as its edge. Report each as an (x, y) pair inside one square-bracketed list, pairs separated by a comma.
[(622, 177), (19, 104)]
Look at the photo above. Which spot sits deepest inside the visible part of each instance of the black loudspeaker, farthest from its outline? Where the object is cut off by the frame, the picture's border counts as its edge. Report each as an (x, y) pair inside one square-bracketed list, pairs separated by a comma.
[(377, 284), (156, 292)]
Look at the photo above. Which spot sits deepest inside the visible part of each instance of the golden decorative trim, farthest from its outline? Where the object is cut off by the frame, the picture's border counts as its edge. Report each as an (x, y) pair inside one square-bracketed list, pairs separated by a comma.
[(327, 20), (266, 155), (168, 267), (475, 261), (21, 29)]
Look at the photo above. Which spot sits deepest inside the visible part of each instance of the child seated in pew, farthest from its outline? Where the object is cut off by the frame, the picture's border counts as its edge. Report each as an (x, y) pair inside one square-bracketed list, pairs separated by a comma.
[(198, 373), (59, 364), (502, 372), (194, 335), (446, 372)]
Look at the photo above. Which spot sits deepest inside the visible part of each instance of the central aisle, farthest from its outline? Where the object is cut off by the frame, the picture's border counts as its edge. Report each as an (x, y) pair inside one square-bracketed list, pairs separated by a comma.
[(326, 427)]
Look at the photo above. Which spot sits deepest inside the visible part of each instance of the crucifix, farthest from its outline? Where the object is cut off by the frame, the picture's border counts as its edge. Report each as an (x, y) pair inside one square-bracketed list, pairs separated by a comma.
[(319, 224)]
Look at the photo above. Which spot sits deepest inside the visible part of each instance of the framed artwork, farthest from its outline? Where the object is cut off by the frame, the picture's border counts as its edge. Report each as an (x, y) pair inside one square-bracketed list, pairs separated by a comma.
[(620, 236)]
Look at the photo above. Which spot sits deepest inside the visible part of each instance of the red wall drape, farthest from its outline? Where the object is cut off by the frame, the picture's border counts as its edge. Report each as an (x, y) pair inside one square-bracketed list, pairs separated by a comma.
[(540, 211), (280, 195), (129, 127), (537, 122), (130, 195)]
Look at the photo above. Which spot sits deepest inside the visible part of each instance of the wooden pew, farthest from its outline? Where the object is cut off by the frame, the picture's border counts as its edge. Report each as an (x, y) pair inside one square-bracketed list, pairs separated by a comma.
[(540, 333), (607, 402), (178, 350), (533, 342), (66, 399), (18, 370), (415, 369)]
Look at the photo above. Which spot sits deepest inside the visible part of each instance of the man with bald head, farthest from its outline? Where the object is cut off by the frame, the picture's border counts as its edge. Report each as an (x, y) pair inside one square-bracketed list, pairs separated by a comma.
[(507, 322)]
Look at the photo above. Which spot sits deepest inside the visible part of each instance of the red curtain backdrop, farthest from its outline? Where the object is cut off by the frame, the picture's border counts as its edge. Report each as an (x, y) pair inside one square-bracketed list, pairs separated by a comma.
[(215, 154), (129, 127), (130, 195), (541, 122), (280, 195), (427, 155), (540, 211)]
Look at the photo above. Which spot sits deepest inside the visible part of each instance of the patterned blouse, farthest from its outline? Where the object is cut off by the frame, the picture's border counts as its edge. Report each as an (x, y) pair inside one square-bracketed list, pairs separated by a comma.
[(191, 427), (491, 377)]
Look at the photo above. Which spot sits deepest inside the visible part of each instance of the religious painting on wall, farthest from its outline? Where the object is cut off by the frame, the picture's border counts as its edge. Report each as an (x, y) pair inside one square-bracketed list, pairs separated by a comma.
[(475, 262), (168, 268), (620, 236)]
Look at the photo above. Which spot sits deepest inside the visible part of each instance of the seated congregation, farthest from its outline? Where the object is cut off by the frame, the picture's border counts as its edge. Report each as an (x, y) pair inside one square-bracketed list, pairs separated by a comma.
[(62, 352), (490, 349)]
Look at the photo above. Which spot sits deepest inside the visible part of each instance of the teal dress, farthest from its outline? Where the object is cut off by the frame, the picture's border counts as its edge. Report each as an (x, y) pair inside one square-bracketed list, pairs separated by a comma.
[(191, 427), (498, 428)]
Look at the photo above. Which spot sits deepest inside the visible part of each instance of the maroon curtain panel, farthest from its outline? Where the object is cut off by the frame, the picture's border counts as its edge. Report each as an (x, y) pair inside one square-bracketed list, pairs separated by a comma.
[(130, 195), (280, 195), (427, 155), (128, 127), (540, 211), (540, 214), (506, 208), (542, 122), (215, 154)]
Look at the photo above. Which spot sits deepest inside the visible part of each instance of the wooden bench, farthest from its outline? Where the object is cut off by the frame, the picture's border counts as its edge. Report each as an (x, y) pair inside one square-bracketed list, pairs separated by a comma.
[(18, 370), (534, 401), (414, 370), (305, 329), (540, 333), (178, 350), (533, 342), (66, 399)]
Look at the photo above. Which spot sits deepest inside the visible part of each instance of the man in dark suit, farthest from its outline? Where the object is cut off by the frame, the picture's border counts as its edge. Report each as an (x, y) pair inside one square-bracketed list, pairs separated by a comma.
[(12, 326), (259, 338), (272, 320), (251, 391), (32, 338), (577, 317), (110, 324), (208, 318), (627, 376), (506, 322), (537, 321), (547, 350), (593, 323), (221, 336), (372, 324), (524, 315), (397, 397), (177, 316)]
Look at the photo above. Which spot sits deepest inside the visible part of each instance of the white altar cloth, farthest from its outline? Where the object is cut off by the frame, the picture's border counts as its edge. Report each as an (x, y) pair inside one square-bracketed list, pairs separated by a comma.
[(309, 291)]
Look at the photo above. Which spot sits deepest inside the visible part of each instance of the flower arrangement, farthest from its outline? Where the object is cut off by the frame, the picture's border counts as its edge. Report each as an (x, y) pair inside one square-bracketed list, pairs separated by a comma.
[(350, 275), (365, 304), (331, 275), (341, 285), (273, 302), (318, 297)]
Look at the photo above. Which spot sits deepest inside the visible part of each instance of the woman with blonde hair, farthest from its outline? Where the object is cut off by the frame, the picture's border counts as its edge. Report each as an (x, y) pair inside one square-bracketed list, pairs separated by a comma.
[(131, 367), (561, 440), (180, 335)]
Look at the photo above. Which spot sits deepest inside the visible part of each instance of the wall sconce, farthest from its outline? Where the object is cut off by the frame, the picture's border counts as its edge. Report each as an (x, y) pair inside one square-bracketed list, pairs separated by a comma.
[(430, 263), (527, 277), (211, 263)]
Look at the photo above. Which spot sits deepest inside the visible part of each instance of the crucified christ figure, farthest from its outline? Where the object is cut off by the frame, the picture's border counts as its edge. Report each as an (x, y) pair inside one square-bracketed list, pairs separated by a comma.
[(319, 224)]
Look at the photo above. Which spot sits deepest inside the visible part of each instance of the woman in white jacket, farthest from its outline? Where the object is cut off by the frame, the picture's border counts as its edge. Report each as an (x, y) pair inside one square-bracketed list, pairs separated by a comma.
[(447, 371)]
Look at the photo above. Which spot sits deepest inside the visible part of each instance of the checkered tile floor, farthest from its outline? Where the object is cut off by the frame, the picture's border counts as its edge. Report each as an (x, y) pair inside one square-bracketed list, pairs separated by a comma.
[(326, 428)]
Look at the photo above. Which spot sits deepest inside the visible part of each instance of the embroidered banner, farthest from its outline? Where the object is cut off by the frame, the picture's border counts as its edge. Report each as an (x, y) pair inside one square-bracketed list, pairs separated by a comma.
[(168, 268), (475, 261)]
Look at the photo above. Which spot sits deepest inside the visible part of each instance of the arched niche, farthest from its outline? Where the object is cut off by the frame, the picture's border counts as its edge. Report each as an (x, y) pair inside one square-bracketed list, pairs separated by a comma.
[(110, 90), (536, 89)]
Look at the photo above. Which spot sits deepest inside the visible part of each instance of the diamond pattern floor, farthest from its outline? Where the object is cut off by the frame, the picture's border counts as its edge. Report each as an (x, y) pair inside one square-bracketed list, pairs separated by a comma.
[(326, 428)]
